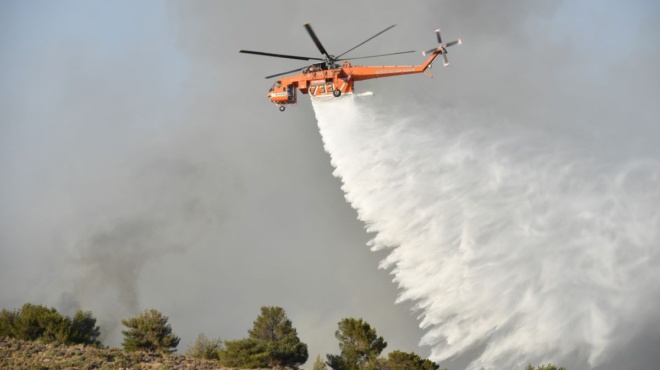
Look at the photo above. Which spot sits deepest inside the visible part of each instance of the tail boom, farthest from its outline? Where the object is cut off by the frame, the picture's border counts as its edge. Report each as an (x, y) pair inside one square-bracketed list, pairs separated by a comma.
[(361, 73)]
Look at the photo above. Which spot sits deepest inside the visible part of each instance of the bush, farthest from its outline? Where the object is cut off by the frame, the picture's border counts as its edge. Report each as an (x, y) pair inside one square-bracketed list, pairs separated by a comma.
[(204, 348)]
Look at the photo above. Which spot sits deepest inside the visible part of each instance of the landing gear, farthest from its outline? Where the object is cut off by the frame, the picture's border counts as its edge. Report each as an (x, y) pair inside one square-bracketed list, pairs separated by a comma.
[(336, 93), (282, 108)]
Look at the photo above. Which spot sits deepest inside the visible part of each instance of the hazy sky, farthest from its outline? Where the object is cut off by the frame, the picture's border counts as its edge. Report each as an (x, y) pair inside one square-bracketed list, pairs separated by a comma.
[(142, 165)]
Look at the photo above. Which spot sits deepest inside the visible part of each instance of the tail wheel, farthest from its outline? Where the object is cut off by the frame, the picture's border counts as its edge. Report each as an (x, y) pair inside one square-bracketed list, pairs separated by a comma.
[(282, 108), (336, 93)]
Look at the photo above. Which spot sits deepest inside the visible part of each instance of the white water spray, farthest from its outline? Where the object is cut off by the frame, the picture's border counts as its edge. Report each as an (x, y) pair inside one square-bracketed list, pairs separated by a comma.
[(510, 244)]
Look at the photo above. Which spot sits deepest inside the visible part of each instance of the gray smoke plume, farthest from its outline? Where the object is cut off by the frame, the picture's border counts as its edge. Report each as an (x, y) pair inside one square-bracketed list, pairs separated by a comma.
[(166, 207)]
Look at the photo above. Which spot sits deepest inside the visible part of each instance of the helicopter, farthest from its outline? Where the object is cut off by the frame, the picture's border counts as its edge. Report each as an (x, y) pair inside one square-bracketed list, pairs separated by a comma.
[(327, 78)]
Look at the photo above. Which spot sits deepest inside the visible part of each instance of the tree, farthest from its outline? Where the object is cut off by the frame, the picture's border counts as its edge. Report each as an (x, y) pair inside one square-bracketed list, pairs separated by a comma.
[(272, 342), (319, 364), (398, 360), (83, 329), (204, 348), (243, 353), (359, 345), (149, 331), (7, 320), (544, 367), (280, 339), (37, 322)]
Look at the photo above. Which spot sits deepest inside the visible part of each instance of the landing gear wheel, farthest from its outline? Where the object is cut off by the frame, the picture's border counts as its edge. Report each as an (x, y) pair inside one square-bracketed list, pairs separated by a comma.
[(336, 93), (282, 108)]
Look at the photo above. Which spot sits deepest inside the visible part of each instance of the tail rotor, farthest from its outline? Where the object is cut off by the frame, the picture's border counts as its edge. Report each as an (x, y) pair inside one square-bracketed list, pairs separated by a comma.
[(442, 47)]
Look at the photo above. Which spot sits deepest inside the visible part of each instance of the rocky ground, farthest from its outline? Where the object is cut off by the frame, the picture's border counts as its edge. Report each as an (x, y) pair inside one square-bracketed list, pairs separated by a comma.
[(18, 354)]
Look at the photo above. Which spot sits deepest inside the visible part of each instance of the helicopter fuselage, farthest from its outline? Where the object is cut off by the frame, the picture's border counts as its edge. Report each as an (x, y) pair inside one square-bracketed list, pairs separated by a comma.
[(328, 83)]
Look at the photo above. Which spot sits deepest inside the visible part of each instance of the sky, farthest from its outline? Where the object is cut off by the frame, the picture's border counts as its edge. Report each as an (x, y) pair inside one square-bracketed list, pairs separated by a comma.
[(143, 167)]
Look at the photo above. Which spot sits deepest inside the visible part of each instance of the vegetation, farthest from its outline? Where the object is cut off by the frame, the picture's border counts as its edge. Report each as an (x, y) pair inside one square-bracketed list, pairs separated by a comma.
[(359, 344), (361, 347), (544, 367), (37, 322), (204, 348), (243, 353), (319, 364), (149, 331), (18, 354), (83, 329), (276, 333), (272, 342), (398, 360)]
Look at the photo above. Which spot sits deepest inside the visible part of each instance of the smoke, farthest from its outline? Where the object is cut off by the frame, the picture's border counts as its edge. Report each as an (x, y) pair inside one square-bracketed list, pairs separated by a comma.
[(515, 245), (164, 208)]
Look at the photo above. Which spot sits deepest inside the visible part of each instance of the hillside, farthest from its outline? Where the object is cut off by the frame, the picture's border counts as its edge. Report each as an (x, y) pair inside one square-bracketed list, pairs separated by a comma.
[(18, 354)]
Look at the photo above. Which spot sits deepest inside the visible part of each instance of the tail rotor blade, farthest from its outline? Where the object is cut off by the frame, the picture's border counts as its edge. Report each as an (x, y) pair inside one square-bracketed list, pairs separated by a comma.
[(442, 48), (452, 43), (437, 33), (424, 53)]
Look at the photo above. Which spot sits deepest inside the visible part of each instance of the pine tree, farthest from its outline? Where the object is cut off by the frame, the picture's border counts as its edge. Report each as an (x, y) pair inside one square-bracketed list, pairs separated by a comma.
[(37, 322), (7, 323), (243, 353), (272, 342), (83, 329), (398, 360), (149, 331), (359, 345), (319, 364), (276, 332), (544, 367)]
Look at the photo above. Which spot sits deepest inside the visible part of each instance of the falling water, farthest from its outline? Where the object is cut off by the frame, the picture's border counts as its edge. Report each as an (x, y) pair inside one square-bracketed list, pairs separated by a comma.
[(513, 246)]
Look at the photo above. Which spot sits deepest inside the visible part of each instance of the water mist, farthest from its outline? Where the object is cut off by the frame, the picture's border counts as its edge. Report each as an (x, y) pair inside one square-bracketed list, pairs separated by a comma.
[(512, 244)]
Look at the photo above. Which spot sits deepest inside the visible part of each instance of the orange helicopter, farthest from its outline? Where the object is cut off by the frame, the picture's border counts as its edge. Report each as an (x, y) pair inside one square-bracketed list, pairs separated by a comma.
[(328, 79)]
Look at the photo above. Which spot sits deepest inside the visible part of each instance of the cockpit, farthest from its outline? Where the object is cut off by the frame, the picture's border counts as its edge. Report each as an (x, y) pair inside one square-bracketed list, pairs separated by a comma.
[(315, 68), (282, 94), (276, 85)]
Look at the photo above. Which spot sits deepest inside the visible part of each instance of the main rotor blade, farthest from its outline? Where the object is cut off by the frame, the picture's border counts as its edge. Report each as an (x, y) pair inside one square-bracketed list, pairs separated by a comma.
[(278, 55), (286, 73), (309, 29), (380, 55), (367, 40)]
